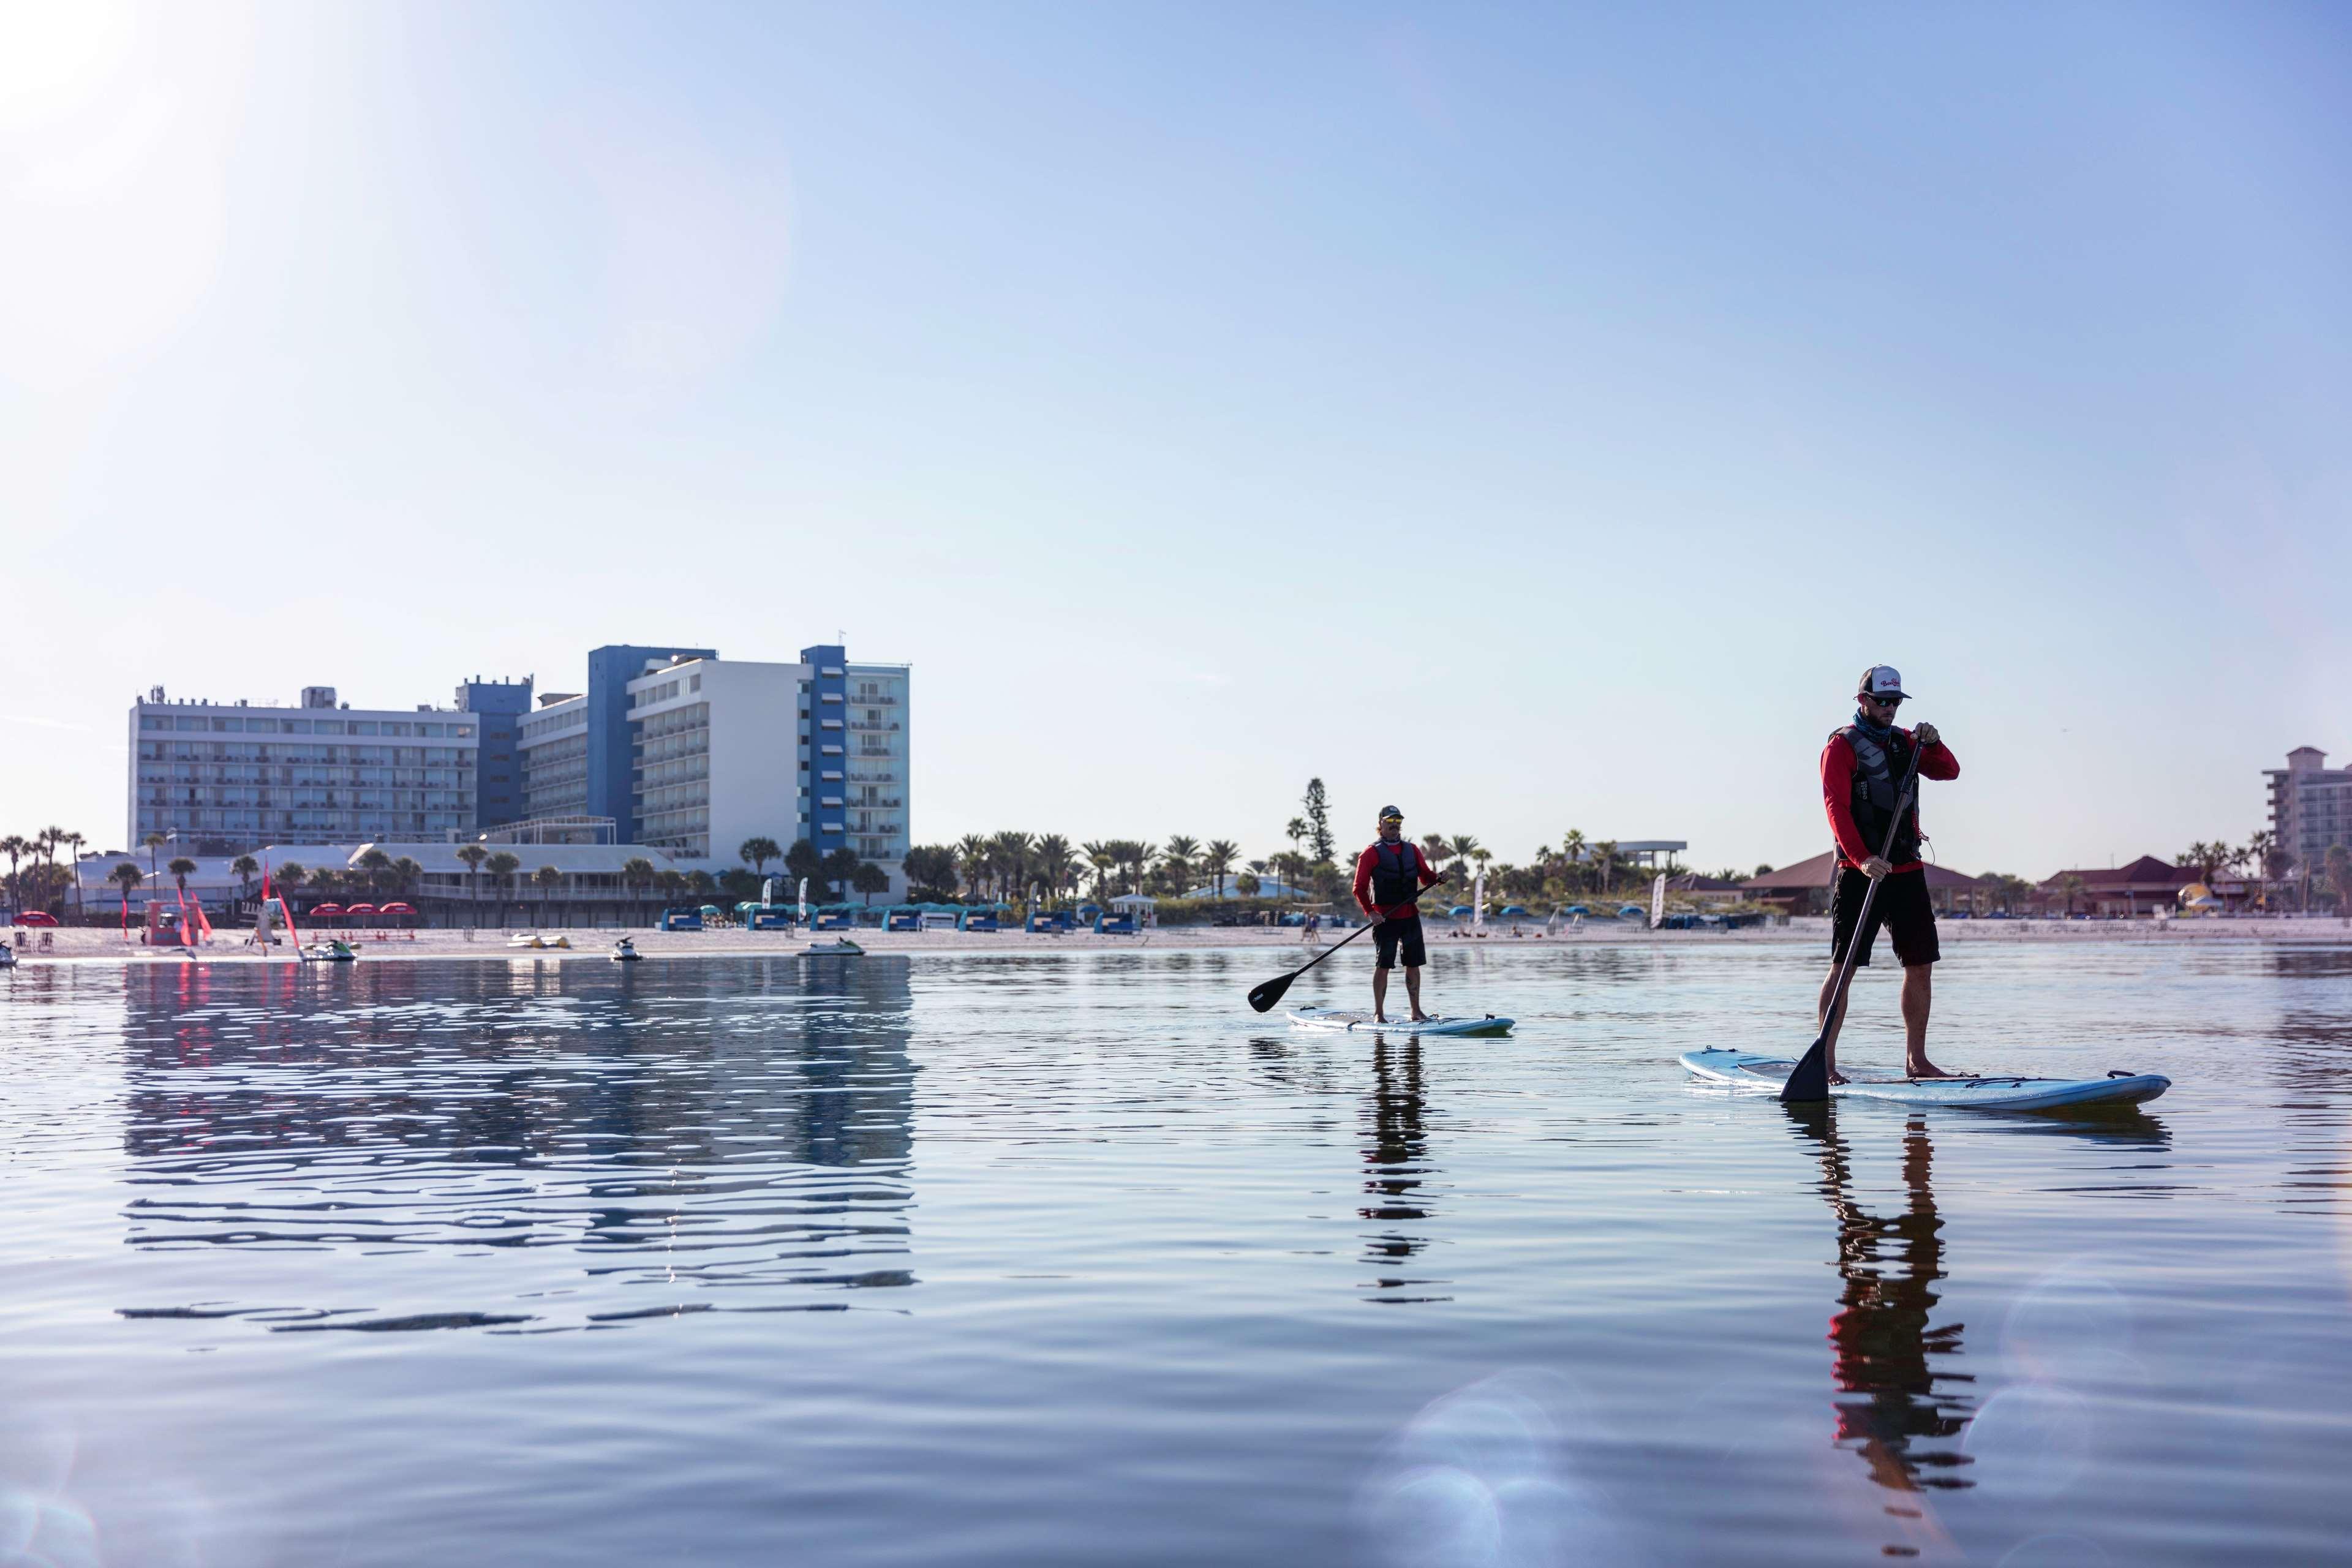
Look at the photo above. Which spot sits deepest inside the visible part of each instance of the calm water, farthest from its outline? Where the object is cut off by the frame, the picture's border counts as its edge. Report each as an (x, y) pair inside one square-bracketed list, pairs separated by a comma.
[(1073, 1260)]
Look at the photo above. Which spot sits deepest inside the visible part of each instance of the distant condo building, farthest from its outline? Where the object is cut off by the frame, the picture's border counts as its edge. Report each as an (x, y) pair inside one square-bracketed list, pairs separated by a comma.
[(670, 748), (240, 775), (2311, 807)]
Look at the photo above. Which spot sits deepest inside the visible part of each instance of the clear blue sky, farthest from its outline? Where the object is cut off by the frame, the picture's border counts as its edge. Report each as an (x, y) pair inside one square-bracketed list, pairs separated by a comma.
[(1533, 417)]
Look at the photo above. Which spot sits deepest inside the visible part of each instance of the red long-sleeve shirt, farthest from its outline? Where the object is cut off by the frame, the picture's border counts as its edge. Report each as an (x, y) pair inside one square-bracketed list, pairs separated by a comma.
[(1936, 762), (1371, 858)]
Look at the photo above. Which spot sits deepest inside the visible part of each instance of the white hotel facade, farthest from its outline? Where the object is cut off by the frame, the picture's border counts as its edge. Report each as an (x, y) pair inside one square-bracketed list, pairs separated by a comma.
[(724, 751), (241, 773)]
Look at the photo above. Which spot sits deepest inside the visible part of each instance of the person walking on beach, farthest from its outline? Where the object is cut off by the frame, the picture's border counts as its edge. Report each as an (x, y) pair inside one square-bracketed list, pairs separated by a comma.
[(1389, 874), (1862, 768)]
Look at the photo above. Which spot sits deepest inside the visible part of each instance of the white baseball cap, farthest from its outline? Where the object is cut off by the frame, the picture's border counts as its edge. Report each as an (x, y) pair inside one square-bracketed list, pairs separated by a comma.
[(1881, 681)]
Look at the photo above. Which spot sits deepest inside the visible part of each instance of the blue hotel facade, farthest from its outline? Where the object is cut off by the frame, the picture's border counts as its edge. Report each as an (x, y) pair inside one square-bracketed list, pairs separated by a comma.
[(611, 764)]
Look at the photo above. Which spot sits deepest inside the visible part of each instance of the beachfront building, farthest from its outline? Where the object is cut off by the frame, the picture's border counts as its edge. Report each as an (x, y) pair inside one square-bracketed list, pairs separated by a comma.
[(1804, 888), (729, 750), (2125, 893), (220, 777), (2311, 808), (499, 707), (552, 744)]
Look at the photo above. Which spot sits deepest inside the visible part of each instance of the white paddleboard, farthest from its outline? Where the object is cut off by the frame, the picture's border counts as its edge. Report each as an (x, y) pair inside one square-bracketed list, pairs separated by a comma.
[(1341, 1018), (1751, 1070)]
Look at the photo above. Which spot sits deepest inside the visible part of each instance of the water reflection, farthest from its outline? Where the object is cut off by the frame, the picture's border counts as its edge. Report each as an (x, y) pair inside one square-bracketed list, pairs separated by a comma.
[(1905, 1415), (1396, 1160), (745, 1130)]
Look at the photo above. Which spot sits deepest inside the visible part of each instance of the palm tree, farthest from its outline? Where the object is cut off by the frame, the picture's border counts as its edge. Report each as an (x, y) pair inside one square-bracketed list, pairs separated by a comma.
[(73, 843), (1464, 848), (671, 882), (246, 869), (500, 866), (1009, 853), (1102, 856), (153, 841), (972, 852), (373, 863), (1176, 860), (286, 879), (473, 855), (405, 874), (2205, 858), (1434, 849), (1217, 861), (1296, 830), (2071, 887), (15, 847), (181, 867), (126, 877), (1571, 849), (757, 852), (637, 874), (1056, 863), (1137, 856), (547, 878)]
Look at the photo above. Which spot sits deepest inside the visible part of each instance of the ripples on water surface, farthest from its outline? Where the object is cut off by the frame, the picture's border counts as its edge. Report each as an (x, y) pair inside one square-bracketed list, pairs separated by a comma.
[(1070, 1259)]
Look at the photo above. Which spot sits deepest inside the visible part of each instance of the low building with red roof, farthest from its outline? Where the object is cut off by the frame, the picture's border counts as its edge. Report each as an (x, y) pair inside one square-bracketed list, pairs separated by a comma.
[(1803, 889)]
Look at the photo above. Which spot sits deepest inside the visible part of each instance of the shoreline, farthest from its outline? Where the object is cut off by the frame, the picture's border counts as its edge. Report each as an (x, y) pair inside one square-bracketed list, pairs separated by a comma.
[(86, 945)]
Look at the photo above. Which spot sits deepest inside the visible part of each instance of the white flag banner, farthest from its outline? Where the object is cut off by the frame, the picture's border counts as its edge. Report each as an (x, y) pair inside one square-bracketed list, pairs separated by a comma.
[(1657, 900)]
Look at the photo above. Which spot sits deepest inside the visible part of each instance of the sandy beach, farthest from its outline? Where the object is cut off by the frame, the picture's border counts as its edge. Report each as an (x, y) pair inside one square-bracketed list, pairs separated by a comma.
[(67, 946)]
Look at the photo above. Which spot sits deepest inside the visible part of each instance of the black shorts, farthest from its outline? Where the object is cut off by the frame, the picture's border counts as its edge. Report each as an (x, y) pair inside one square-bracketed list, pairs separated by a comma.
[(1393, 938), (1902, 908)]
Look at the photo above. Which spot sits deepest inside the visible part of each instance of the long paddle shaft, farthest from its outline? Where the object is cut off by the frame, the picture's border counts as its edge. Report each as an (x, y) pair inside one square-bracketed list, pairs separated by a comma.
[(1810, 1080), (1263, 997)]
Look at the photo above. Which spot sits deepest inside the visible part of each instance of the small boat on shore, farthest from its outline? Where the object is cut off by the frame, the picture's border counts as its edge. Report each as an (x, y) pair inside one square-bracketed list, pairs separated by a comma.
[(534, 940)]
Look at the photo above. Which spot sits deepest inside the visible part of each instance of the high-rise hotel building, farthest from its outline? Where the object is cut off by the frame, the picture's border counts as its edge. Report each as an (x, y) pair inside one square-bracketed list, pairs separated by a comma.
[(682, 750), (223, 777), (728, 750)]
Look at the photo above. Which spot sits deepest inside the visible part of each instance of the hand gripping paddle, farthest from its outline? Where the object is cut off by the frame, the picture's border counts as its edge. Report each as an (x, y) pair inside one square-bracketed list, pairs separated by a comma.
[(1265, 996), (1810, 1080)]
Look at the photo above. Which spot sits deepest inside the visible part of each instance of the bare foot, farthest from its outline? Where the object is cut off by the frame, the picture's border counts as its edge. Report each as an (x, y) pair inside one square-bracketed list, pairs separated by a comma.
[(1420, 1017), (1379, 1018), (1835, 1075), (1924, 1070)]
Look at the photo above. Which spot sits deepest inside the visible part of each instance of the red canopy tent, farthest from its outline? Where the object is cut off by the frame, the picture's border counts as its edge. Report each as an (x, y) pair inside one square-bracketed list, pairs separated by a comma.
[(325, 912)]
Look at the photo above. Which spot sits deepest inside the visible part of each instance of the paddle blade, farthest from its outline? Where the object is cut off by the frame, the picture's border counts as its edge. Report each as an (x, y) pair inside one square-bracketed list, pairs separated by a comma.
[(1810, 1080), (1261, 997)]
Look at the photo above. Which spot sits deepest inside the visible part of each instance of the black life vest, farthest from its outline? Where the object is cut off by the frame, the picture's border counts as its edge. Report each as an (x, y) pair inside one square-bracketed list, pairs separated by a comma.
[(1396, 873), (1878, 773)]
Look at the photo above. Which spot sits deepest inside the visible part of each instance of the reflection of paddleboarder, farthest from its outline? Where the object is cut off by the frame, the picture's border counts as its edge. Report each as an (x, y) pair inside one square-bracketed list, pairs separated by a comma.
[(1901, 1423), (1389, 874), (1396, 1165), (1862, 768)]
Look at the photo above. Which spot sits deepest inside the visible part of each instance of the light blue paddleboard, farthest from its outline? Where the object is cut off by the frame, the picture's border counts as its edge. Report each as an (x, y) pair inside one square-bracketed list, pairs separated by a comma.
[(1753, 1070), (1341, 1018)]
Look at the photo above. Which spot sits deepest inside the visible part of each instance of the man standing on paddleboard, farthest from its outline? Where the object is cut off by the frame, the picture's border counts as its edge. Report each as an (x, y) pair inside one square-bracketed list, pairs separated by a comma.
[(1862, 768), (1389, 874)]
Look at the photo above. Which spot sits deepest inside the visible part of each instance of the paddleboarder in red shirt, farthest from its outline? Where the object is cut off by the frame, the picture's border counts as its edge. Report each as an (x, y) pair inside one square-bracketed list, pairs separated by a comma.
[(1862, 768), (1389, 874)]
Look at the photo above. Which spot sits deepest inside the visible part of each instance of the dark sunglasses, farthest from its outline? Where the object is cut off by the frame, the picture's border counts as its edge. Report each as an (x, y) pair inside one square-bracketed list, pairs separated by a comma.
[(1882, 702)]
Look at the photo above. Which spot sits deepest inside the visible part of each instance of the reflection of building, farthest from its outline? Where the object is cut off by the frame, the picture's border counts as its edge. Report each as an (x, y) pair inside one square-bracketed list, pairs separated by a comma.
[(756, 1129), (2311, 807), (1396, 1164)]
